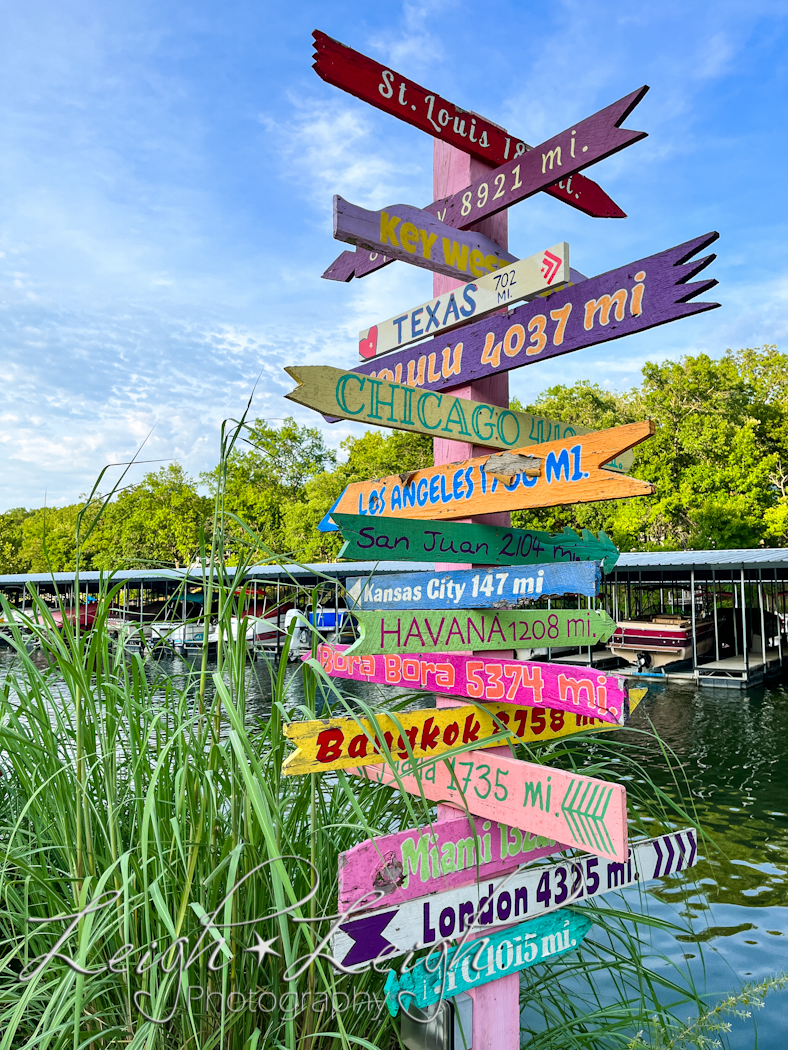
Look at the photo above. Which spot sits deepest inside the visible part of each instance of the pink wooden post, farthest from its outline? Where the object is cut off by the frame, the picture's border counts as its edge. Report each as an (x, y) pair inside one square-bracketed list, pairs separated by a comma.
[(496, 1006)]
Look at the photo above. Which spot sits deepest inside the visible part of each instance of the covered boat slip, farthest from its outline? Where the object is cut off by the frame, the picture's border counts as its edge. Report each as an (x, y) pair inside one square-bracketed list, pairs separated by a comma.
[(714, 617), (164, 609)]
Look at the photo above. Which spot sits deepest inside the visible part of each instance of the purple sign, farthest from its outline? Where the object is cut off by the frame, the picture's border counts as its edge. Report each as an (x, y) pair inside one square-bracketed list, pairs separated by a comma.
[(644, 294)]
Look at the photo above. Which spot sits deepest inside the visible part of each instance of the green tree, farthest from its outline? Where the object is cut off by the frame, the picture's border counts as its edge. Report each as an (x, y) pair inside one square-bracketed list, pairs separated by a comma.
[(272, 473), (157, 522), (11, 540), (49, 540), (375, 454)]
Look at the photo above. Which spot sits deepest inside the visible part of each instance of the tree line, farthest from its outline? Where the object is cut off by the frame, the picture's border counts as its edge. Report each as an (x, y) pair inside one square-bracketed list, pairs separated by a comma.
[(719, 461)]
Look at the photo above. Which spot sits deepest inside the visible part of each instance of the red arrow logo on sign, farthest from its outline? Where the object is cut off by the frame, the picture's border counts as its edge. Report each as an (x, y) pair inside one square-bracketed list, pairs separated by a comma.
[(550, 264)]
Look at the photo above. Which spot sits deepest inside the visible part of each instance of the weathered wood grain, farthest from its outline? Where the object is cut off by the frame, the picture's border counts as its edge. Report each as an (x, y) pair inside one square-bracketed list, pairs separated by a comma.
[(499, 953), (471, 588), (644, 294), (403, 98), (419, 238), (546, 270), (582, 811), (405, 539), (586, 692), (571, 472), (402, 926), (478, 629)]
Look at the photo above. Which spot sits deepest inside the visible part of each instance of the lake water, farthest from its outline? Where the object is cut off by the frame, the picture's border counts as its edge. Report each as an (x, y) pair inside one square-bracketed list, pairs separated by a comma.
[(733, 748)]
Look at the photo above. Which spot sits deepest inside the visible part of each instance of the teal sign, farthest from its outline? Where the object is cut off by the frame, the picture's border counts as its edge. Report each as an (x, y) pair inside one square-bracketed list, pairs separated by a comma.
[(442, 975)]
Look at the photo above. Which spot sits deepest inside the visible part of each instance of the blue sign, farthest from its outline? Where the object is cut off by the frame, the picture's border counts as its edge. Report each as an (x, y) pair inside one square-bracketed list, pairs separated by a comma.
[(475, 588)]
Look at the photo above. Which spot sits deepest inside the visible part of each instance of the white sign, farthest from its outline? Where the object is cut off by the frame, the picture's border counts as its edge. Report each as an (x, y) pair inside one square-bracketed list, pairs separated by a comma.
[(425, 921), (545, 271)]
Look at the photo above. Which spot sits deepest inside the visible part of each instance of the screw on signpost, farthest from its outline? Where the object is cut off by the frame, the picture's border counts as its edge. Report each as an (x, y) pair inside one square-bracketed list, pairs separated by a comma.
[(496, 1006)]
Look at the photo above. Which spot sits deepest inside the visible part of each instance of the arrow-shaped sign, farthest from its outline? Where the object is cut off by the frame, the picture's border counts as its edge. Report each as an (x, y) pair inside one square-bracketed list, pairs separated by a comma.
[(541, 272), (581, 145), (393, 539), (430, 237), (446, 855), (424, 921), (644, 294), (521, 794), (419, 238), (584, 692), (566, 471), (446, 631), (325, 744), (471, 588), (476, 962), (347, 395), (383, 88)]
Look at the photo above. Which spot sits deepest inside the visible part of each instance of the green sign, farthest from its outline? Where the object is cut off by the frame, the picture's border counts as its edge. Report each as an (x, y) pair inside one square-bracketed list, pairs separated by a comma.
[(477, 629), (406, 539)]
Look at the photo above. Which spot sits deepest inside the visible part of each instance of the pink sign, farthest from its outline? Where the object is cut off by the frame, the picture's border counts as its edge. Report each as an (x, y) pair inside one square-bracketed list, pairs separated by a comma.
[(445, 855), (580, 690), (584, 812)]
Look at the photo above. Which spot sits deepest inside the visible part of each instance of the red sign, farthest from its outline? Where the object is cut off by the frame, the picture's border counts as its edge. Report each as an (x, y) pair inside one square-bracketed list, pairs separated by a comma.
[(384, 89)]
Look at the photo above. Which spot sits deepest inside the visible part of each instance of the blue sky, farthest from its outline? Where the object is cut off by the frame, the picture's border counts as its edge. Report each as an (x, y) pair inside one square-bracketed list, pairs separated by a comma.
[(166, 174)]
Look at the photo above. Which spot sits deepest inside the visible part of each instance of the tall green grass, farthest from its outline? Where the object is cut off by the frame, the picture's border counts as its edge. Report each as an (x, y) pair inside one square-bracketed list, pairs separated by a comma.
[(153, 807)]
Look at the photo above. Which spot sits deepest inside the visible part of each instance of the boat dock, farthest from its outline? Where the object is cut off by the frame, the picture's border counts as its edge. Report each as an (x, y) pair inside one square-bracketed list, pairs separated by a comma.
[(733, 601)]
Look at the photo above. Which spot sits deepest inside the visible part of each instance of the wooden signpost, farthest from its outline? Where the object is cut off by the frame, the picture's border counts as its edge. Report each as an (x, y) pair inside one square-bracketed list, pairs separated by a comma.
[(431, 640), (474, 588), (419, 238), (542, 272), (393, 539), (342, 743), (584, 691), (383, 88), (447, 854), (424, 921), (428, 631), (581, 811), (479, 961), (647, 293), (566, 471)]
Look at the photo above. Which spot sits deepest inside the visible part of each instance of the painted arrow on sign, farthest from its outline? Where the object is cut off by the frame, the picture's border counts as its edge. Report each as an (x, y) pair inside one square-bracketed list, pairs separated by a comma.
[(541, 272), (325, 744), (443, 630), (644, 294), (442, 856), (471, 588), (582, 811), (419, 238), (561, 687), (347, 395), (476, 962), (424, 921), (566, 471), (383, 88), (408, 540)]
